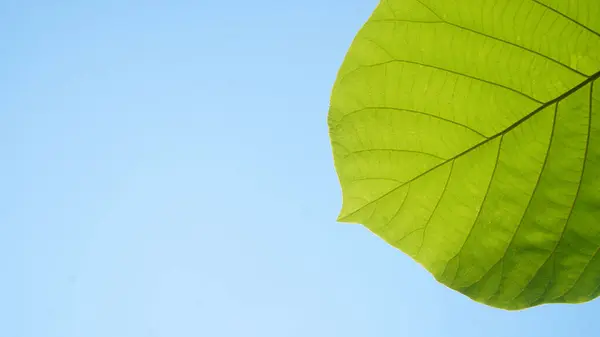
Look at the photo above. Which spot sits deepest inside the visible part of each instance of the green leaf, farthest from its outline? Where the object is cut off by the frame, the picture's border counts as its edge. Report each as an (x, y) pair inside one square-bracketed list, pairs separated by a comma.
[(467, 134)]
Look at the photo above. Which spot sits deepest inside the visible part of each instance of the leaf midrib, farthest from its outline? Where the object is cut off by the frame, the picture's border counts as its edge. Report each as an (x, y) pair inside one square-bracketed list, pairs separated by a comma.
[(501, 133)]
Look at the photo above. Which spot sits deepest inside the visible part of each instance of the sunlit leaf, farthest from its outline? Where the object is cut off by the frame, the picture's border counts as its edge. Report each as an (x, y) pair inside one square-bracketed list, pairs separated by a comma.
[(467, 134)]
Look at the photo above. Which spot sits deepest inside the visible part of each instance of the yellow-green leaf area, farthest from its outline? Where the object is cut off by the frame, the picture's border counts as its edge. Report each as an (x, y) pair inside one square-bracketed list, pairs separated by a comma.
[(467, 135)]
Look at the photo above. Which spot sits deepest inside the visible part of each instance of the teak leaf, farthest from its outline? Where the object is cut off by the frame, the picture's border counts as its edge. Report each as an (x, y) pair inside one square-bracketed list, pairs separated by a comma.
[(467, 134)]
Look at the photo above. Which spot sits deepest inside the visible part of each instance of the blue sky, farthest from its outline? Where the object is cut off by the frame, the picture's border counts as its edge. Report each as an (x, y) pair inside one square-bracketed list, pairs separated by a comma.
[(167, 172)]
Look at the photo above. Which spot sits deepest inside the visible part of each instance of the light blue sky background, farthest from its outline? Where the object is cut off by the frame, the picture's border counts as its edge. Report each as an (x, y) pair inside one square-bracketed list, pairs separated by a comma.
[(166, 171)]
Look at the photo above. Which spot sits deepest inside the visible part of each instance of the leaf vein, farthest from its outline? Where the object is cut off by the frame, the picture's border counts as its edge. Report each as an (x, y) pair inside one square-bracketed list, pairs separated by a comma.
[(566, 225), (413, 111), (435, 208), (448, 71), (387, 224), (395, 150), (598, 249), (567, 17), (480, 208), (528, 204), (490, 37)]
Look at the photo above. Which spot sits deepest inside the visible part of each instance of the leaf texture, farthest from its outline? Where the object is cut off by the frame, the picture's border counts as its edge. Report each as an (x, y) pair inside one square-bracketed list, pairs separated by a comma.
[(467, 134)]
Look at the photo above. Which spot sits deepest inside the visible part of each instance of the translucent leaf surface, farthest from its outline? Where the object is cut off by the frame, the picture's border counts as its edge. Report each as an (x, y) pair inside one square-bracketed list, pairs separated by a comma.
[(467, 134)]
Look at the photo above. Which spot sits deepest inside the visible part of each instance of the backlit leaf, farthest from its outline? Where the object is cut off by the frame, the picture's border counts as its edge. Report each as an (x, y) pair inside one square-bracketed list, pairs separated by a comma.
[(467, 134)]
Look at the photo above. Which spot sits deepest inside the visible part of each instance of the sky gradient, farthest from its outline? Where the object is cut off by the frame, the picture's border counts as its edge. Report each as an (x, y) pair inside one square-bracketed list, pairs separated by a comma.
[(167, 172)]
